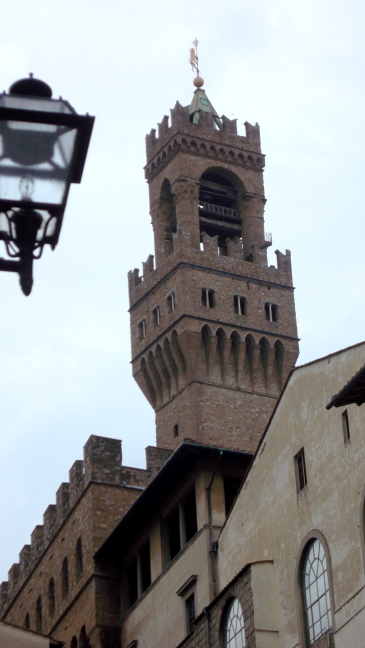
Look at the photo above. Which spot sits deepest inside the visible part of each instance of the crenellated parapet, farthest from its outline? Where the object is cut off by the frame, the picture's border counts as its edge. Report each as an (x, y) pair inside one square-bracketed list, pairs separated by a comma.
[(102, 464), (202, 139), (209, 256)]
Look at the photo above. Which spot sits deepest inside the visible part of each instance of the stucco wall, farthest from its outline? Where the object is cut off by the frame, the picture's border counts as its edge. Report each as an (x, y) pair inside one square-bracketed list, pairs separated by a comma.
[(271, 521)]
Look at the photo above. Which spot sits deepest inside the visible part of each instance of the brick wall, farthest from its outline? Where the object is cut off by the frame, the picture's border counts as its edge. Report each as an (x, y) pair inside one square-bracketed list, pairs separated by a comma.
[(240, 588)]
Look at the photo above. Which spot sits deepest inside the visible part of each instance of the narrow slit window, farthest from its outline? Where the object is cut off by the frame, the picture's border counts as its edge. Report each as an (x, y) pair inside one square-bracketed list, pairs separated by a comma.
[(142, 329), (64, 578), (271, 311), (176, 430), (208, 297), (239, 304), (301, 471), (345, 426), (38, 615), (79, 565), (171, 302), (156, 314), (51, 597)]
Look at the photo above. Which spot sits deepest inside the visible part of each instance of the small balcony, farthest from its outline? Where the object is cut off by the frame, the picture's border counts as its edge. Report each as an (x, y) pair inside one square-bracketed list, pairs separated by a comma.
[(220, 212)]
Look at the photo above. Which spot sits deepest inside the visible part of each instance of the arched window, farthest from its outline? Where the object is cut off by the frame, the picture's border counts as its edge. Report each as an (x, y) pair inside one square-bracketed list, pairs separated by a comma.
[(233, 628), (51, 597), (79, 565), (64, 578), (27, 621), (315, 592), (73, 643), (83, 638), (38, 615)]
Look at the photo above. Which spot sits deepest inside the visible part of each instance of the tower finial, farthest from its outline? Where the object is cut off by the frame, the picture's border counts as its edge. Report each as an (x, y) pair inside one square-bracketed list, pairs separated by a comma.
[(194, 62)]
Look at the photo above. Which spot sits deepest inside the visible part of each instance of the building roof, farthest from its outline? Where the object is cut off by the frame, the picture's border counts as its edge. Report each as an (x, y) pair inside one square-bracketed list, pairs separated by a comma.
[(352, 392), (172, 473)]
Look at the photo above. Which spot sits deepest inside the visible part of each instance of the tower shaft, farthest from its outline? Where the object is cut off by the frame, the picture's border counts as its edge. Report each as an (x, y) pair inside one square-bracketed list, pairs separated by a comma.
[(213, 327)]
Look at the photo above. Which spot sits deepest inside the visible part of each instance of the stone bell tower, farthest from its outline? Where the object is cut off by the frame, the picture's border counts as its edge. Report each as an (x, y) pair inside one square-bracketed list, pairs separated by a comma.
[(213, 327)]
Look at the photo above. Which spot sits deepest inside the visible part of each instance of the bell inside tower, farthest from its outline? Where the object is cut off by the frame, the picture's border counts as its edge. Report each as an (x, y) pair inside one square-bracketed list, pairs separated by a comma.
[(219, 213)]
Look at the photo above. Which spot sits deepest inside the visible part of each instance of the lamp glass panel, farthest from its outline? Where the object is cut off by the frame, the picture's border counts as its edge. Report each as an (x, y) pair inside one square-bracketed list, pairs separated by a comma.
[(35, 161), (5, 231), (35, 103)]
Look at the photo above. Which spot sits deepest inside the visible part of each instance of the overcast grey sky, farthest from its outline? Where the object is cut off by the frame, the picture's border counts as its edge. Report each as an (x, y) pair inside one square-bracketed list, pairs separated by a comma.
[(294, 66)]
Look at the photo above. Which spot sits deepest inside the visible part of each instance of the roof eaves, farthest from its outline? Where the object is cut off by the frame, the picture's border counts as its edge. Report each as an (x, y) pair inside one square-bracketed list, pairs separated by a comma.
[(356, 381)]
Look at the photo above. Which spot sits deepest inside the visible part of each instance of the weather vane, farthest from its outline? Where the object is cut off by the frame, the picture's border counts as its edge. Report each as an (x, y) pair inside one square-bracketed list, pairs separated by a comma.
[(194, 62)]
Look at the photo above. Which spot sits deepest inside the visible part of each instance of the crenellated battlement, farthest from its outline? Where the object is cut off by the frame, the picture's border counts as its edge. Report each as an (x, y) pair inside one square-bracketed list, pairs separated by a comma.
[(102, 464), (225, 144), (210, 257)]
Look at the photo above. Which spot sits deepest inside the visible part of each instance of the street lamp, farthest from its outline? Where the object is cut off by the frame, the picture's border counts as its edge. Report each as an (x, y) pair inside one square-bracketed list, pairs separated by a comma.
[(43, 147)]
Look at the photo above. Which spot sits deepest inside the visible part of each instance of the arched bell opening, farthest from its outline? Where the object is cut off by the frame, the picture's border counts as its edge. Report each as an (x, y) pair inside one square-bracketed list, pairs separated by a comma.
[(219, 210)]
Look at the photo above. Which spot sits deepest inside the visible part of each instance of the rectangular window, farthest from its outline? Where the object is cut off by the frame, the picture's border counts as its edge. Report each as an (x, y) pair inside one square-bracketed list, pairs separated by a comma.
[(301, 471), (208, 297), (239, 304), (190, 613), (271, 311), (179, 527), (345, 426), (171, 302), (156, 316), (142, 329)]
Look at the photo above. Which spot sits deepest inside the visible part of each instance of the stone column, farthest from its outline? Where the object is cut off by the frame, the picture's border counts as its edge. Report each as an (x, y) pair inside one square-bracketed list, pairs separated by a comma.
[(186, 193), (253, 232)]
